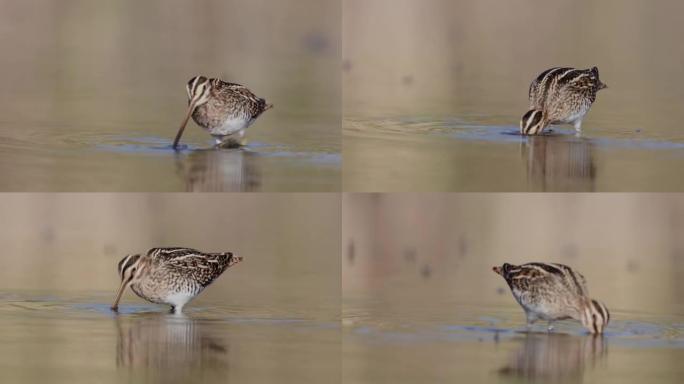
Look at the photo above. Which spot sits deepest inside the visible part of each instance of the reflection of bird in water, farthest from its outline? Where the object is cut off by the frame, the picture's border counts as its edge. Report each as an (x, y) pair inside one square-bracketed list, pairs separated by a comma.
[(171, 276), (555, 357), (559, 163), (224, 109), (174, 348), (551, 291), (560, 96), (219, 171)]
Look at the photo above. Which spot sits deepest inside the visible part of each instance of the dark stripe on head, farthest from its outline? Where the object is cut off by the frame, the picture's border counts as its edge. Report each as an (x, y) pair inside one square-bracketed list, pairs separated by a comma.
[(118, 266), (194, 82), (531, 119), (600, 308), (597, 306), (128, 262)]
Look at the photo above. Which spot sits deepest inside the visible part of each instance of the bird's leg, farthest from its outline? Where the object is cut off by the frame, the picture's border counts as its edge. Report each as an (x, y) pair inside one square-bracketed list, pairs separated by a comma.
[(550, 326), (578, 127), (531, 319), (177, 310), (231, 141)]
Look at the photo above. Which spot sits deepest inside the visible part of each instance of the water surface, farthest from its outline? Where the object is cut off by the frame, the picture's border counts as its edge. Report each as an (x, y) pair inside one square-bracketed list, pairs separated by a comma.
[(466, 154), (76, 338)]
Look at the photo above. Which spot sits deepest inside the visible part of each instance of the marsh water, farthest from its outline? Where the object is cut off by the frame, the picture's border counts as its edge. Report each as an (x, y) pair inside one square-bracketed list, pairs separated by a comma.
[(272, 317), (76, 338), (94, 94), (434, 91), (421, 303), (475, 342)]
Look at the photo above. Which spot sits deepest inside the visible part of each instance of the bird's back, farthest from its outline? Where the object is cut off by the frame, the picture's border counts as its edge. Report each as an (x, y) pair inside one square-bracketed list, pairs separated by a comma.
[(545, 86), (561, 85), (238, 99), (538, 278), (190, 264)]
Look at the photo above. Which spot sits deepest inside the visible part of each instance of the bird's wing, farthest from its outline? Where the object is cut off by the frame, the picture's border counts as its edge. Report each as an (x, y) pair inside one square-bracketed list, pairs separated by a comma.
[(573, 279), (188, 257), (526, 276), (256, 104), (205, 266), (234, 89)]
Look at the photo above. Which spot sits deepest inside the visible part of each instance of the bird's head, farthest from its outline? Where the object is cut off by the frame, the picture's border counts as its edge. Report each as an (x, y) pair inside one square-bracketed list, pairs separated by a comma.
[(129, 268)]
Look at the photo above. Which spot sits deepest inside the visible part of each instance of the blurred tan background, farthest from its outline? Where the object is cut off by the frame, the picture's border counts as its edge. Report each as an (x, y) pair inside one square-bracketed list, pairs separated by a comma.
[(426, 254), (130, 60), (72, 243)]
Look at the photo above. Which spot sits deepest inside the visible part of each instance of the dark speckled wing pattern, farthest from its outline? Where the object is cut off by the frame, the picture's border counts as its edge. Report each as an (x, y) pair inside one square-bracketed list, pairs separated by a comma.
[(545, 274), (203, 267), (239, 95)]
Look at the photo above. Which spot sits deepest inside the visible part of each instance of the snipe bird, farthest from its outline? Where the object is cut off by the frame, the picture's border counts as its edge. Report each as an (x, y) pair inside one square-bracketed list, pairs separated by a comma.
[(171, 276), (560, 96), (550, 291), (224, 109)]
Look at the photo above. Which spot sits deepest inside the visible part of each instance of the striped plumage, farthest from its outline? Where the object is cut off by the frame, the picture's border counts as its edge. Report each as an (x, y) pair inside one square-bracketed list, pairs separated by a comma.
[(560, 95), (224, 109), (171, 276), (551, 291)]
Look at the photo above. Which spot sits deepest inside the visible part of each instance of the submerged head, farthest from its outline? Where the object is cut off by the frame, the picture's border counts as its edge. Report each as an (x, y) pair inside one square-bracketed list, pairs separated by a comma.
[(128, 269), (199, 92), (595, 78), (533, 122), (594, 316)]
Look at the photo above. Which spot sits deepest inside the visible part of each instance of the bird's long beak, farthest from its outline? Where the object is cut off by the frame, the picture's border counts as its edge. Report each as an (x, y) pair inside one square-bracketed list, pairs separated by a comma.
[(122, 288), (191, 108)]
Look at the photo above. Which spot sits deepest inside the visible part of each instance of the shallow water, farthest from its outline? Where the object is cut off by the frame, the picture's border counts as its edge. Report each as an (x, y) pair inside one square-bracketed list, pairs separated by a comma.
[(115, 162), (488, 344), (424, 154), (75, 337), (96, 105)]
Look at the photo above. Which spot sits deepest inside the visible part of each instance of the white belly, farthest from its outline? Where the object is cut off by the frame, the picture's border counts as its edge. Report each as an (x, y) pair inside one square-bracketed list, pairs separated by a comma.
[(178, 299), (571, 119), (232, 126)]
